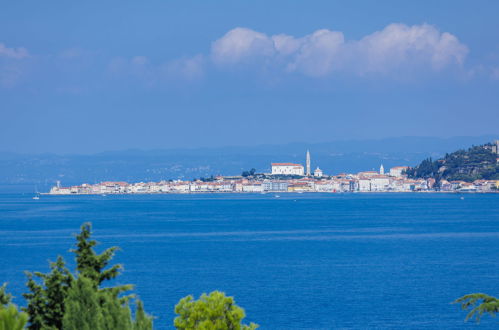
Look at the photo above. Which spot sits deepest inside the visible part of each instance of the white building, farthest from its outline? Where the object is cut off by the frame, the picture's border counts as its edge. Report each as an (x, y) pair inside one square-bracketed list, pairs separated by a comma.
[(364, 184), (397, 171), (287, 169), (380, 183), (318, 173)]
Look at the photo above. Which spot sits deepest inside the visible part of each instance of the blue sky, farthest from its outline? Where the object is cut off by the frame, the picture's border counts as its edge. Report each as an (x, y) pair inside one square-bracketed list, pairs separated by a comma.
[(94, 76)]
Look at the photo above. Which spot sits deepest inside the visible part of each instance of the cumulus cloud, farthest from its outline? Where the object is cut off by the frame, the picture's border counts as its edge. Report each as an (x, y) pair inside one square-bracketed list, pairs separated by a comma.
[(15, 53), (241, 43), (396, 47)]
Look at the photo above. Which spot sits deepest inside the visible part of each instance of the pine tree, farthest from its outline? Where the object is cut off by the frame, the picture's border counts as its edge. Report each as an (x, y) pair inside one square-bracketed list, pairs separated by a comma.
[(10, 317), (90, 264), (83, 310), (479, 303), (46, 301), (5, 297), (63, 301), (142, 320)]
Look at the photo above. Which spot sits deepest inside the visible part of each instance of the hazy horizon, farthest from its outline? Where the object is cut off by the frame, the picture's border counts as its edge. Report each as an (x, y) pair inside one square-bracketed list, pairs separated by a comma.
[(482, 138)]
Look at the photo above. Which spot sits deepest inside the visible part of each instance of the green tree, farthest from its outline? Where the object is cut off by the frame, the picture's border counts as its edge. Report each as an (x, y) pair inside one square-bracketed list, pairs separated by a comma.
[(210, 312), (479, 303), (62, 300), (46, 300), (83, 311), (5, 297), (142, 320), (90, 264), (11, 318), (91, 309)]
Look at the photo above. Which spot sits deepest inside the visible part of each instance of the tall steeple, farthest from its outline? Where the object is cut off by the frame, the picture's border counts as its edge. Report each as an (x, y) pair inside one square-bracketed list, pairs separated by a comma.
[(381, 169), (308, 163)]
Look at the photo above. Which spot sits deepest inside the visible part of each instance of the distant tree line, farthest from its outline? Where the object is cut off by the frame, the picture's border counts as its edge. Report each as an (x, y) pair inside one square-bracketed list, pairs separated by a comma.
[(248, 173), (477, 162), (83, 300)]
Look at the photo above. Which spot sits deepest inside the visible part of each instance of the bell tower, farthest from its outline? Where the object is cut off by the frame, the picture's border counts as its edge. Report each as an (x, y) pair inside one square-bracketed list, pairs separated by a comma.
[(308, 163)]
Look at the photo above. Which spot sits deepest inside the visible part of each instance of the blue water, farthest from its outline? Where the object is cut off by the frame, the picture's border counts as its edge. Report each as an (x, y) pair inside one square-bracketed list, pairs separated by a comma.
[(302, 261)]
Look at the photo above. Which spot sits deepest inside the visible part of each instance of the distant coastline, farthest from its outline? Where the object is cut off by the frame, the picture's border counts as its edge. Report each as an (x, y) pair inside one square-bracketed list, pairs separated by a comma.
[(394, 181)]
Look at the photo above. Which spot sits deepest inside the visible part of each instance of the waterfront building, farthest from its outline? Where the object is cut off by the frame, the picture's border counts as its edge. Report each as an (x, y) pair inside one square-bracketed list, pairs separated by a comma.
[(287, 169), (380, 183), (364, 184), (276, 186), (324, 186), (254, 187)]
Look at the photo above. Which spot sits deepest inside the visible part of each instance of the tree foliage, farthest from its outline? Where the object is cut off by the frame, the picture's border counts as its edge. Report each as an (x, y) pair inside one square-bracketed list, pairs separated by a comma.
[(5, 297), (46, 300), (210, 312), (11, 318), (61, 300), (92, 265), (479, 303), (249, 173), (477, 162)]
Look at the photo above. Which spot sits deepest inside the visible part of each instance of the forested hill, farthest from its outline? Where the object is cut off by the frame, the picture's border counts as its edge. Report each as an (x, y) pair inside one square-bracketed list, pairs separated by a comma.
[(478, 162)]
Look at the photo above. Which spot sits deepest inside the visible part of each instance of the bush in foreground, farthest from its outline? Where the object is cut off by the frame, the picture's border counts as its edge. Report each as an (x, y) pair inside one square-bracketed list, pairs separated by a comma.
[(10, 317), (213, 311)]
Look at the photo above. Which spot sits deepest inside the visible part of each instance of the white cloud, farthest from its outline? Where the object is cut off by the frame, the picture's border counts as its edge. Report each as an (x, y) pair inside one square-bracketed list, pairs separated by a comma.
[(15, 53), (317, 53), (396, 47), (399, 45), (239, 44)]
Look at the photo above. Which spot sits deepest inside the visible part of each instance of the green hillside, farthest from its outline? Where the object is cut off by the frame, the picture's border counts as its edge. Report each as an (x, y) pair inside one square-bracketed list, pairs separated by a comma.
[(478, 162)]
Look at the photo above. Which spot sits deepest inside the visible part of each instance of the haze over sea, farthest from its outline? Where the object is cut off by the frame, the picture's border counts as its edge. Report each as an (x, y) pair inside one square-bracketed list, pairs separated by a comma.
[(301, 261)]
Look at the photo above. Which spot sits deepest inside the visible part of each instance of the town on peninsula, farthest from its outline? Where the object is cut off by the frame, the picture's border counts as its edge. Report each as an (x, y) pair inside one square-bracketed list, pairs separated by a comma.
[(474, 170)]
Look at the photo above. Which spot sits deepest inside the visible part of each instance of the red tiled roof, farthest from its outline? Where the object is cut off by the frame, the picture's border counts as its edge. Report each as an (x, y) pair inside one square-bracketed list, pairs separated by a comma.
[(285, 164)]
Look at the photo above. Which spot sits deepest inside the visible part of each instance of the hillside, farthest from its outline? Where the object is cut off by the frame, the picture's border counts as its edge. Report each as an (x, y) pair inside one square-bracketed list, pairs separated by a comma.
[(478, 162)]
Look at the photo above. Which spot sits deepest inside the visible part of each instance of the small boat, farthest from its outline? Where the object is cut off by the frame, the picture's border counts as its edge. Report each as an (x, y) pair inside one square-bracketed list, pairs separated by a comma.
[(37, 194), (277, 196)]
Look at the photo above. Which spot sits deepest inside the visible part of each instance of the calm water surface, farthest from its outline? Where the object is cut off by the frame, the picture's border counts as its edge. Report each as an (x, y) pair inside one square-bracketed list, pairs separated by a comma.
[(301, 261)]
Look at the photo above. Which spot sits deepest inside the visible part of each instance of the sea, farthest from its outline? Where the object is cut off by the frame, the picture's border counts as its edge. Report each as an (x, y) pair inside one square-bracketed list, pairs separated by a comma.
[(292, 261)]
